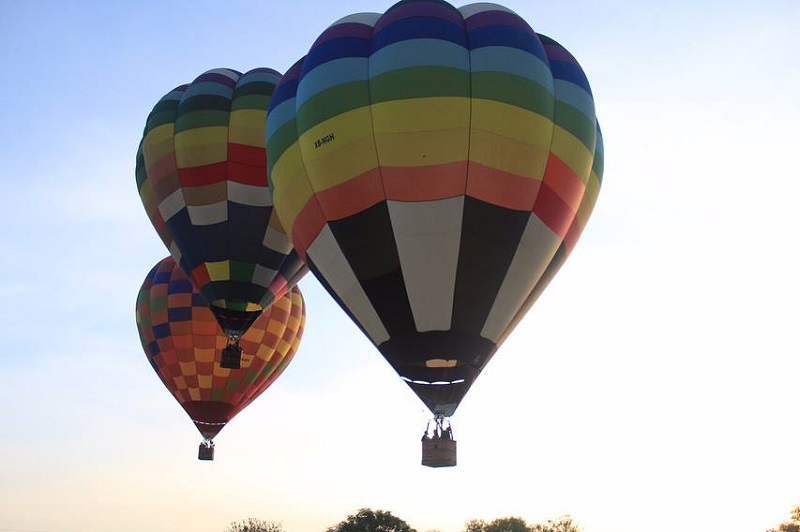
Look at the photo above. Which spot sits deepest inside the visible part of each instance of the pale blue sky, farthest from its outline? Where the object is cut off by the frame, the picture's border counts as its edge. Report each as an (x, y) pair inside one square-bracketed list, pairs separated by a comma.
[(653, 388)]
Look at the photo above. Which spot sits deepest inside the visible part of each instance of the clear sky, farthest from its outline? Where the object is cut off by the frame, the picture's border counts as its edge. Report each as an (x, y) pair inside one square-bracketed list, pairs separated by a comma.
[(654, 387)]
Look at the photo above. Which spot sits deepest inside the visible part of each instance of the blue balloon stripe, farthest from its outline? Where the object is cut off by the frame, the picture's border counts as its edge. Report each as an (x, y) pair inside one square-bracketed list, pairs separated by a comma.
[(419, 28), (512, 61), (570, 72), (330, 74), (406, 9), (286, 90), (417, 53), (507, 36), (281, 114), (335, 49), (574, 95)]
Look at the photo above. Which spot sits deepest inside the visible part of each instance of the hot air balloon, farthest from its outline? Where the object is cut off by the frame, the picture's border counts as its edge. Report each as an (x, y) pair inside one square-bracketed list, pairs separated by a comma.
[(202, 177), (184, 344), (434, 167)]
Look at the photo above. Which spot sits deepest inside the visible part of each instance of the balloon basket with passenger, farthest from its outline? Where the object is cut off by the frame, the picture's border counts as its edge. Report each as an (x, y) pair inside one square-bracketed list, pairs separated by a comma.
[(206, 450), (232, 354), (438, 445)]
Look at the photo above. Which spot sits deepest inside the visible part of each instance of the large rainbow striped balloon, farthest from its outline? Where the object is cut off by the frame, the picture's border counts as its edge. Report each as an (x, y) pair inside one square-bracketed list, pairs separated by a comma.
[(435, 166)]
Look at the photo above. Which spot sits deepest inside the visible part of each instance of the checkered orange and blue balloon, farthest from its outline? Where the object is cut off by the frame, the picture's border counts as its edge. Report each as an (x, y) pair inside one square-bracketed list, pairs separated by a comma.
[(183, 343)]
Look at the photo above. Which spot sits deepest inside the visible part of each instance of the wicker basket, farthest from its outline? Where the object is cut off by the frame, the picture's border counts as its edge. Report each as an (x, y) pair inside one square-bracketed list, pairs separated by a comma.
[(438, 452)]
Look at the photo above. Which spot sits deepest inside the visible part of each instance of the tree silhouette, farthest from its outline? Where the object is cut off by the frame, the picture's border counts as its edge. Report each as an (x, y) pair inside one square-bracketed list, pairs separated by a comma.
[(516, 524), (475, 525), (252, 524), (367, 520), (792, 525), (507, 524), (562, 524)]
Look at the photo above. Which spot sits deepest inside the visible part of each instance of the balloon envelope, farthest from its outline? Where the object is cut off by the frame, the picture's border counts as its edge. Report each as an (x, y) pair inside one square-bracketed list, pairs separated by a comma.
[(183, 343), (202, 177), (434, 166)]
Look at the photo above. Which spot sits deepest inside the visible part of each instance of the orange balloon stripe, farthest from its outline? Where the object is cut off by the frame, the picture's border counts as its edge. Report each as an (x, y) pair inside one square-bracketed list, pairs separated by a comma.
[(562, 180), (351, 196), (553, 211), (502, 188), (309, 222), (424, 183), (444, 181)]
